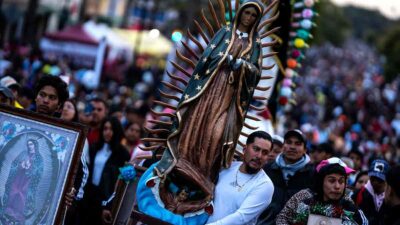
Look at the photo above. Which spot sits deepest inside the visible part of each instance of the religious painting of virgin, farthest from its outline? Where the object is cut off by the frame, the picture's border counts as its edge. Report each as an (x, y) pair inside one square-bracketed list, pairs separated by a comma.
[(38, 160)]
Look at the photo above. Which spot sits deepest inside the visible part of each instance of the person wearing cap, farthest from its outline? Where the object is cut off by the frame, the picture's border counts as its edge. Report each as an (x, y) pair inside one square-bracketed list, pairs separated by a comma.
[(323, 151), (276, 149), (392, 196), (370, 198), (290, 172), (13, 85), (325, 201), (6, 96)]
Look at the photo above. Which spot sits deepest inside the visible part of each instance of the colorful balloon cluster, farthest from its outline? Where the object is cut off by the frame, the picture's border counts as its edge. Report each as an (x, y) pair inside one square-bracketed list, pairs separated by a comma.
[(303, 13)]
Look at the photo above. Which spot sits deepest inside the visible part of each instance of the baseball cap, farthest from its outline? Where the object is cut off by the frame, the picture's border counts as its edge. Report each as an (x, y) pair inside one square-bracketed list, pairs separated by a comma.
[(8, 81), (295, 133), (334, 160), (277, 139), (7, 92), (379, 168)]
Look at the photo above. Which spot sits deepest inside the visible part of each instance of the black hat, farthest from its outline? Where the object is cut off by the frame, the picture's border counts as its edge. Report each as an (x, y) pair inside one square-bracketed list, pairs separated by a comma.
[(295, 133)]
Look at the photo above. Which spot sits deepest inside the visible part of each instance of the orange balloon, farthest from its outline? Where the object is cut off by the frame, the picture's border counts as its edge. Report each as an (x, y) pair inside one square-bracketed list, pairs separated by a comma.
[(291, 63)]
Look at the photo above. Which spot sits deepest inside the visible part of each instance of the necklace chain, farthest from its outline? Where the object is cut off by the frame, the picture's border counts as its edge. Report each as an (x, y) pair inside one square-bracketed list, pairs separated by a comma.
[(237, 183)]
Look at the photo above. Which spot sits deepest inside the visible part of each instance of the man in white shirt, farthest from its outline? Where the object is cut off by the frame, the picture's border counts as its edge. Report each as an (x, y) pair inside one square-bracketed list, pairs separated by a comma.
[(244, 190)]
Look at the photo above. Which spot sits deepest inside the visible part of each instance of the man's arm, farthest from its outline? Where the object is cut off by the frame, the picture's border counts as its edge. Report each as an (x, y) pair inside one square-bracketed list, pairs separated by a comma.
[(251, 208)]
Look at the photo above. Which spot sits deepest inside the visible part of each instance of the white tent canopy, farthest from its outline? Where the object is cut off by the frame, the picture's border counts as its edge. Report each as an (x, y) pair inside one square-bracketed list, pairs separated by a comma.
[(115, 43)]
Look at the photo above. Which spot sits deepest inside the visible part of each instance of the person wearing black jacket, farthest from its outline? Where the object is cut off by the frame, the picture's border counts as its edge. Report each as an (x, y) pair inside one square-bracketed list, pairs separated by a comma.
[(371, 197), (106, 157), (392, 196), (290, 173)]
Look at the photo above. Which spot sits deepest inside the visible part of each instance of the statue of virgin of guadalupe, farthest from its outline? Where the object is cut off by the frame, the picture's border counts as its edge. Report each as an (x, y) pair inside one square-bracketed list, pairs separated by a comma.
[(210, 114)]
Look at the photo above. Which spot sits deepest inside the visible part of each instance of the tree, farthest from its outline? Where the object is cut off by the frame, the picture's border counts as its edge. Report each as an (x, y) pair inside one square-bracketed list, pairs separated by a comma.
[(332, 24), (390, 47), (366, 24)]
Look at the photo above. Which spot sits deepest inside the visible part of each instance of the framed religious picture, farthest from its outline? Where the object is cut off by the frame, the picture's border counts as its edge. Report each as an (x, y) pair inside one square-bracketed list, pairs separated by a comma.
[(125, 198), (39, 157)]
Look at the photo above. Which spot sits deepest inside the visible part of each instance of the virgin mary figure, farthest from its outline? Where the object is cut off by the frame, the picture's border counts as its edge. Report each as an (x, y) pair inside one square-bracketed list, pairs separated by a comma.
[(22, 181), (211, 113)]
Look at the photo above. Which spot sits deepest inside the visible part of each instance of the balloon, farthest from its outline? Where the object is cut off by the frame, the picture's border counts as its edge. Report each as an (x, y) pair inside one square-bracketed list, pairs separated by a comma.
[(309, 3), (282, 100), (286, 91), (306, 24), (303, 34), (296, 53), (291, 63), (307, 13), (287, 82), (289, 73), (299, 43)]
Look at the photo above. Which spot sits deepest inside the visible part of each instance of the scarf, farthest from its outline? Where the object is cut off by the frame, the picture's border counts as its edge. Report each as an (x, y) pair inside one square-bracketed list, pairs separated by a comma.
[(289, 170)]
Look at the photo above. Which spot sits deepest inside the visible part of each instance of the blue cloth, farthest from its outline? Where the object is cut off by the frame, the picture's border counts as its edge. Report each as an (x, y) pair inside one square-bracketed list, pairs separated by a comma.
[(148, 204), (290, 169)]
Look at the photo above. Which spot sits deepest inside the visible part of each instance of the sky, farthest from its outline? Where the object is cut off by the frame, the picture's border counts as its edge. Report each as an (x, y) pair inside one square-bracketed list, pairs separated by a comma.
[(389, 8)]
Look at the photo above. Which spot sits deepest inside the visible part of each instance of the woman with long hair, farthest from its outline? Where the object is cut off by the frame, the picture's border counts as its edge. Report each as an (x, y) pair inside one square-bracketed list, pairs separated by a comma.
[(106, 157)]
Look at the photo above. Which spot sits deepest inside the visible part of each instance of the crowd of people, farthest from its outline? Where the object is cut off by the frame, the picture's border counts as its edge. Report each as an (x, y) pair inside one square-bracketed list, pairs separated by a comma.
[(336, 160), (343, 99)]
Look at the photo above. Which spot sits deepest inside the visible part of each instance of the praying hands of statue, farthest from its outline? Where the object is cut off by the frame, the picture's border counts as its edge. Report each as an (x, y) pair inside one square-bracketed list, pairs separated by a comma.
[(236, 52)]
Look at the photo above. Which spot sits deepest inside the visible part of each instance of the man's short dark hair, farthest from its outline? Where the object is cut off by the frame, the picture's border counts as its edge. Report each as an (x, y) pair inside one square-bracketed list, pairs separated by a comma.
[(141, 110), (259, 134), (97, 99), (55, 82), (325, 147), (357, 152)]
